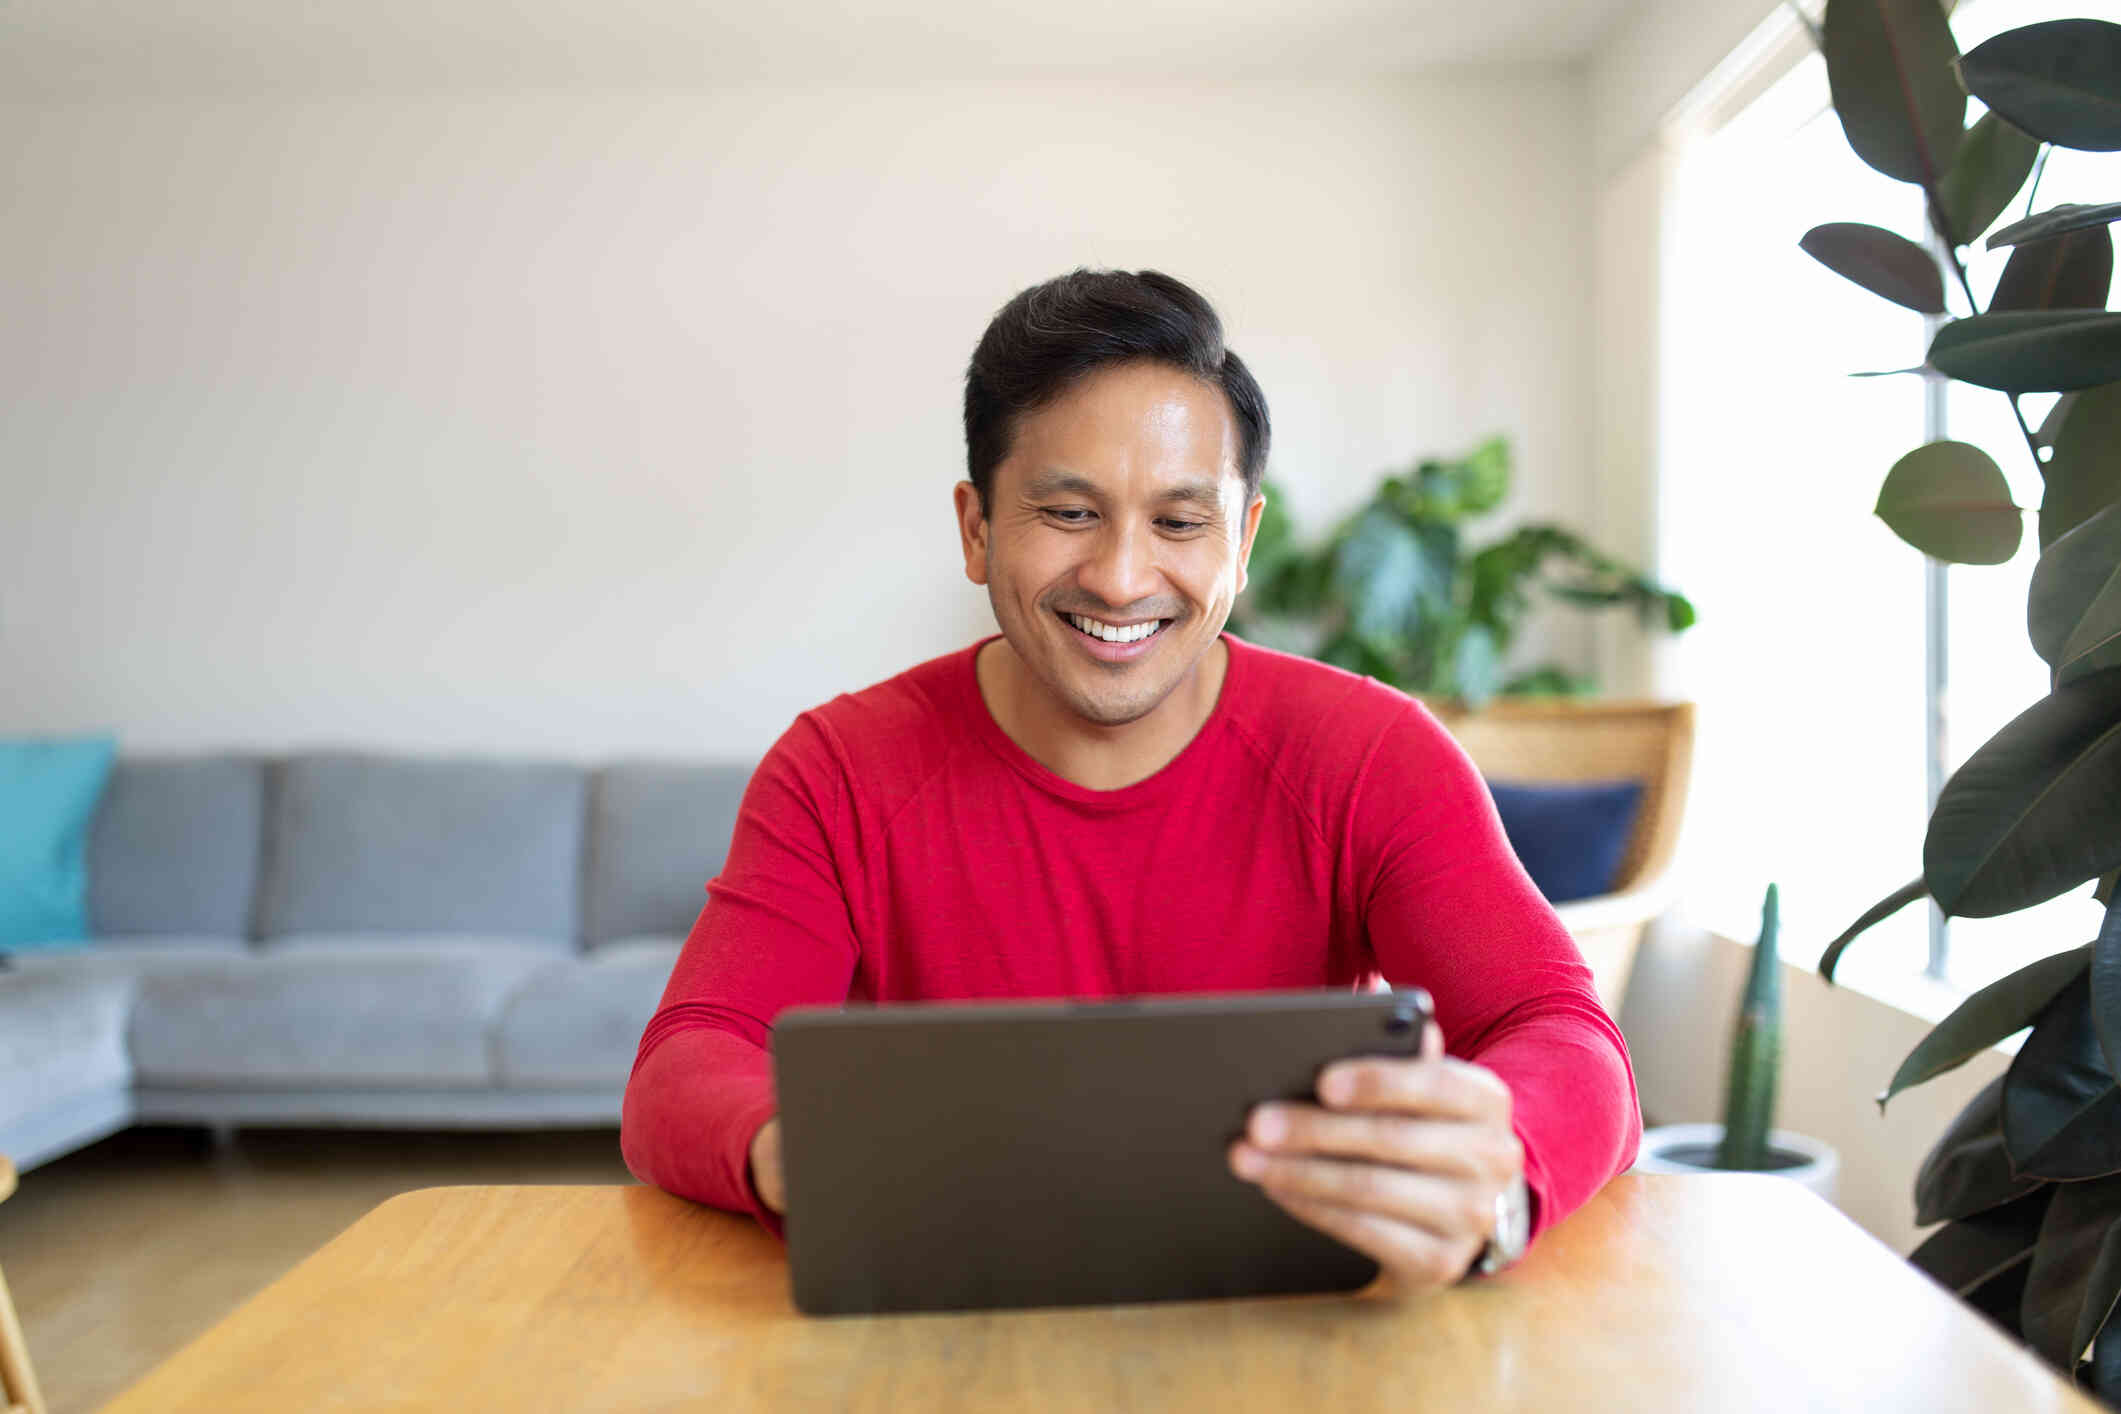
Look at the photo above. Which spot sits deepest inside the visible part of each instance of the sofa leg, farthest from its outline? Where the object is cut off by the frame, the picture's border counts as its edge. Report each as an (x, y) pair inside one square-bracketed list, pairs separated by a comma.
[(223, 1134)]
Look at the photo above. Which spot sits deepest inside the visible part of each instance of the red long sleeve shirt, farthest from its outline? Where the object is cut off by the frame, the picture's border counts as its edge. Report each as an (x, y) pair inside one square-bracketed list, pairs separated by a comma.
[(1320, 830)]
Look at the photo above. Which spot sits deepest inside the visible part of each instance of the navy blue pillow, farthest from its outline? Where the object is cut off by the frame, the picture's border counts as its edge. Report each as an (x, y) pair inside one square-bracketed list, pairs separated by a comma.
[(1570, 835)]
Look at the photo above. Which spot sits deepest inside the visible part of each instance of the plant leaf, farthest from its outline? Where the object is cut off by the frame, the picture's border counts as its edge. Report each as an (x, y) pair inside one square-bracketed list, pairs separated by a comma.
[(2031, 351), (2071, 271), (1485, 477), (2081, 569), (2061, 1112), (2070, 216), (1889, 65), (2059, 81), (2080, 1236), (1922, 368), (1949, 500), (1381, 570), (2036, 810), (2084, 473), (1967, 1170), (2106, 988), (2000, 1009), (1993, 162), (1877, 913), (1478, 666), (1968, 1252), (1882, 262), (2051, 425)]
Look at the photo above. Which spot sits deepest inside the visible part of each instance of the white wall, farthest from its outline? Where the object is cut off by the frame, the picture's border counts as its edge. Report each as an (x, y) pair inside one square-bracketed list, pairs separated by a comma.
[(628, 423)]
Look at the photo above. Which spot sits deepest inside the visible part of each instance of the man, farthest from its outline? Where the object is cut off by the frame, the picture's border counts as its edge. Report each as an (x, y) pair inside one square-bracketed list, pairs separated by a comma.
[(1115, 797)]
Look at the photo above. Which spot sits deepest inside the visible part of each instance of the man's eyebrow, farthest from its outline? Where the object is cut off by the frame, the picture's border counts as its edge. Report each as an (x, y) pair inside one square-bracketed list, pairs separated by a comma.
[(1068, 483)]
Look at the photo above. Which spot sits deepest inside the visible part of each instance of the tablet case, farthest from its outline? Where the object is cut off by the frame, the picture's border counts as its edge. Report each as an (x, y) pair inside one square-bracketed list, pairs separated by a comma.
[(961, 1156)]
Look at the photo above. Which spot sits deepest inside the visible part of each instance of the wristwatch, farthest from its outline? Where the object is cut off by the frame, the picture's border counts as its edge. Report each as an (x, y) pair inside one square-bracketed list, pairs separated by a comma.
[(1513, 1229)]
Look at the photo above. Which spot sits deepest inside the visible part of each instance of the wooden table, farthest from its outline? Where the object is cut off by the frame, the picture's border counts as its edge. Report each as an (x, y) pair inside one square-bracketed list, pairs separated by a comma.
[(1714, 1293)]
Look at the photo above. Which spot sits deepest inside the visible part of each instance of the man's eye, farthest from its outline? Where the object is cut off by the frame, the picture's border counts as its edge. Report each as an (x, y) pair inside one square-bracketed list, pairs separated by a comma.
[(1072, 515), (1183, 524)]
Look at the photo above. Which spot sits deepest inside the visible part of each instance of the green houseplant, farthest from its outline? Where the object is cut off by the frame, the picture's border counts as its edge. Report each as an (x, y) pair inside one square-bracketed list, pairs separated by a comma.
[(1747, 1140), (1395, 592), (2027, 1180)]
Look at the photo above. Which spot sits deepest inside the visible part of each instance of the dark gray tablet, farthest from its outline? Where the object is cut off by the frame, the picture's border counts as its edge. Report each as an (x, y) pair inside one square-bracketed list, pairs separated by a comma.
[(960, 1156)]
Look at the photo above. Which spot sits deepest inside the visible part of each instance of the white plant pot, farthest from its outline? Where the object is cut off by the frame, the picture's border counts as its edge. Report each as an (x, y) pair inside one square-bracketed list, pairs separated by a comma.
[(1691, 1148)]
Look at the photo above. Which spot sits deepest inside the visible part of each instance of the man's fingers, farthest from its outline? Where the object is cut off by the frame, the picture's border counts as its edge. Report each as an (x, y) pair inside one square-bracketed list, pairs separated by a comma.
[(1414, 1258), (1432, 1146), (1447, 1207), (1438, 1086)]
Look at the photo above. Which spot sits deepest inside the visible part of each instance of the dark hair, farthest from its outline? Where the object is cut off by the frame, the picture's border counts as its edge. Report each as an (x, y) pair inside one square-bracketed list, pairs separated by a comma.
[(1052, 335)]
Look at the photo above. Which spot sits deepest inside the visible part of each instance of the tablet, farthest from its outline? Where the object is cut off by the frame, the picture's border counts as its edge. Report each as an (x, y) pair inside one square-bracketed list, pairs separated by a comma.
[(946, 1156)]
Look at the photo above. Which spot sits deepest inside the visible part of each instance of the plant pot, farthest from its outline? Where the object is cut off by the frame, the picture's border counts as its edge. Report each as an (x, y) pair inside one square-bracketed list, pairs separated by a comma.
[(1691, 1148)]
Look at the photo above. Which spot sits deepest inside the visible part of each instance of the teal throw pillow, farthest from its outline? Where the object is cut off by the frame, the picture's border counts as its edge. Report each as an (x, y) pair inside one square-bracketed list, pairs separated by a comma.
[(49, 789)]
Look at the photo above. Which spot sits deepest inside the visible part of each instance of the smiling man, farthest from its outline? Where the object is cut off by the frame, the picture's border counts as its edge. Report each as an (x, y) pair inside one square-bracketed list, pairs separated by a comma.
[(1116, 797)]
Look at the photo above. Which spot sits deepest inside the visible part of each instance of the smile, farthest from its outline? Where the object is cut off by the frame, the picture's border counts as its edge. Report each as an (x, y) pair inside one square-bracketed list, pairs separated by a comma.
[(1114, 643)]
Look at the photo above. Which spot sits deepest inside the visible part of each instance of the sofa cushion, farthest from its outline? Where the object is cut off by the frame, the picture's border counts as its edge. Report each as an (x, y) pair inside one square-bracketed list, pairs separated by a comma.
[(130, 956), (405, 1010), (577, 1023), (175, 846), (366, 843), (61, 1034), (49, 788), (657, 833)]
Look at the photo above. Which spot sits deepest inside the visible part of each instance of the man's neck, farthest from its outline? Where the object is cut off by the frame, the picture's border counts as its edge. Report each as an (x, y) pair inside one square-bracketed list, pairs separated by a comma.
[(1092, 756)]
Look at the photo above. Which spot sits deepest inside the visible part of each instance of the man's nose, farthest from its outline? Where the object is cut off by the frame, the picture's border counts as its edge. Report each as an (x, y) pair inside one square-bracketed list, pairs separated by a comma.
[(1122, 568)]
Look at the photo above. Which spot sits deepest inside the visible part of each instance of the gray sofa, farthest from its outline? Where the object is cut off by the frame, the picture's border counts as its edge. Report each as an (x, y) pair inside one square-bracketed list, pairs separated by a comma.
[(359, 939)]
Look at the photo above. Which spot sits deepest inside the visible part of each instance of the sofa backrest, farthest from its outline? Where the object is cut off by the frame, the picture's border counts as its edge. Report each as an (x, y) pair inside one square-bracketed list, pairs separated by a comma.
[(658, 831), (375, 843), (174, 846)]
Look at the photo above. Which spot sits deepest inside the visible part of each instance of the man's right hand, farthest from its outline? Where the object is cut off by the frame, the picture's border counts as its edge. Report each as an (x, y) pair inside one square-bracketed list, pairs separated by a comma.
[(766, 1166)]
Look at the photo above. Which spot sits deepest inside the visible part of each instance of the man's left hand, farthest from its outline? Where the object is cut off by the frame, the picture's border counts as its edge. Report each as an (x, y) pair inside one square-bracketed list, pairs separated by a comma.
[(1401, 1160)]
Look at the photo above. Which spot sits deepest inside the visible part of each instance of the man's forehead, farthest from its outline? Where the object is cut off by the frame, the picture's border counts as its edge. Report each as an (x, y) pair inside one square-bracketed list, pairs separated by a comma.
[(1052, 480)]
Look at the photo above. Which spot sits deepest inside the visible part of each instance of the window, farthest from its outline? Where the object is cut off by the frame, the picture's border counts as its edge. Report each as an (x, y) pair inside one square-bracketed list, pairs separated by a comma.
[(1809, 664)]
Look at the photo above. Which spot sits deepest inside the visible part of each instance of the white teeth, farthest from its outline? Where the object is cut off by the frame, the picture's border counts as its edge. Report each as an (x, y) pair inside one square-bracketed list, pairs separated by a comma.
[(1111, 634)]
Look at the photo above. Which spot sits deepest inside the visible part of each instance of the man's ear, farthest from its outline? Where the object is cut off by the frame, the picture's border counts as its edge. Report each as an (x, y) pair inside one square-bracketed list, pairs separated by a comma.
[(972, 531), (1244, 549)]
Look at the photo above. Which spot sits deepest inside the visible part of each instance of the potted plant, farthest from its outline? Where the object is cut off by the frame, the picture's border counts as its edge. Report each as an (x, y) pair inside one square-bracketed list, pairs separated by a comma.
[(2027, 1180), (1394, 591), (1747, 1140)]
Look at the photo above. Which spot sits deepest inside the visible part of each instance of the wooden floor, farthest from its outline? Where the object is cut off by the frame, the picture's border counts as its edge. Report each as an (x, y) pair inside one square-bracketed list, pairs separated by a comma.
[(121, 1253)]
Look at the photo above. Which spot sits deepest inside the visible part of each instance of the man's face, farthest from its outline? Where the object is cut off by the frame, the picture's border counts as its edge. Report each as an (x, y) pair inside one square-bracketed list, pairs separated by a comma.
[(1119, 512)]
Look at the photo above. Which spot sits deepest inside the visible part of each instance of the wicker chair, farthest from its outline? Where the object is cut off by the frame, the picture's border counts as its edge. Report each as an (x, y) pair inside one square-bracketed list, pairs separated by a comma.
[(1561, 740)]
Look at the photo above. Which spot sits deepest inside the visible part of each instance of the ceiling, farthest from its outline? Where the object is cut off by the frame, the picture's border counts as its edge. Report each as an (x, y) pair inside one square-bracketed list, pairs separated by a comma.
[(120, 47)]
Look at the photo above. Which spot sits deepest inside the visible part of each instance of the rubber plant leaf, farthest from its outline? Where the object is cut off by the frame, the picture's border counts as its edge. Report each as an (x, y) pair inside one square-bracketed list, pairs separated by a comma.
[(2084, 473), (1877, 913), (1950, 501), (2036, 810), (1889, 66), (1993, 162), (1967, 1170), (1883, 262), (2070, 216), (2106, 987), (2070, 271), (2061, 1111), (2076, 587), (2031, 351), (2059, 81), (2002, 1008), (2069, 1293), (1966, 1254)]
